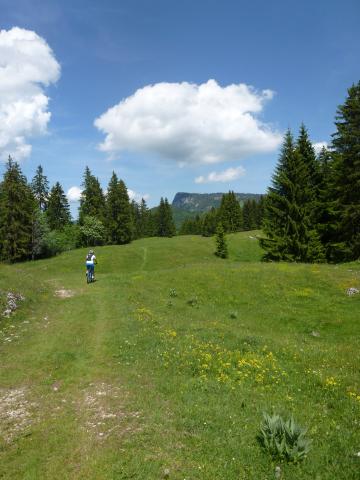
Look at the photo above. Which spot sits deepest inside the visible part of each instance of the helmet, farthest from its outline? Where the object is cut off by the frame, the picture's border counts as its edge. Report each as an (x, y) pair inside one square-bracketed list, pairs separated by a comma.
[(91, 252)]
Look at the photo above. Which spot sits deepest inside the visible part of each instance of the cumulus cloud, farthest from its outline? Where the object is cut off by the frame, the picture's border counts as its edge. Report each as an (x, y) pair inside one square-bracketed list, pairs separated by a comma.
[(190, 123), (318, 146), (27, 66), (228, 175), (74, 194), (137, 196)]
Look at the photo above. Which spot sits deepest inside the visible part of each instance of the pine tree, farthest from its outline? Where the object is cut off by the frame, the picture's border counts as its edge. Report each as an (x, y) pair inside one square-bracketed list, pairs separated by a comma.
[(165, 222), (40, 188), (288, 227), (118, 215), (346, 191), (92, 201), (17, 207), (221, 245), (58, 209), (230, 213)]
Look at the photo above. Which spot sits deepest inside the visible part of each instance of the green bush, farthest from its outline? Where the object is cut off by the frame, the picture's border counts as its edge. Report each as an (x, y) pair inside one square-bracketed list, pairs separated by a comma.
[(283, 439), (57, 241), (92, 232)]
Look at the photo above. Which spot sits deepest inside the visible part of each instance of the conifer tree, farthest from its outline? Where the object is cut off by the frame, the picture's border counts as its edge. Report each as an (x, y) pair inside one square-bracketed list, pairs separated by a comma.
[(306, 150), (152, 224), (346, 146), (249, 215), (92, 200), (165, 222), (118, 216), (39, 235), (191, 226), (17, 207), (146, 228), (230, 213), (136, 219), (143, 222), (209, 223), (58, 209), (40, 188), (288, 227), (327, 221), (221, 245), (260, 210)]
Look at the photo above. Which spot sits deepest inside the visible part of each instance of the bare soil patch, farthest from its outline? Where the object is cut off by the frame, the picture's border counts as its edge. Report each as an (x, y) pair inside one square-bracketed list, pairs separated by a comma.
[(106, 412), (16, 413), (62, 293)]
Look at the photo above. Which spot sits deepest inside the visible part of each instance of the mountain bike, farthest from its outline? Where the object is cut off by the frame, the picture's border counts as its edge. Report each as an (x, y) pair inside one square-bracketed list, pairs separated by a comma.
[(89, 275)]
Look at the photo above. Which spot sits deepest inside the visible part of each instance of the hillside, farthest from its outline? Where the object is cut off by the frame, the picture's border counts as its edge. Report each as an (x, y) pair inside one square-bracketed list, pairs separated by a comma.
[(201, 202), (168, 360)]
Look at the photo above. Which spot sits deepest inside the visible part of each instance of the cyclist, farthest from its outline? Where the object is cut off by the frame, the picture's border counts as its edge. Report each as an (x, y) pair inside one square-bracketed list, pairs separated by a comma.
[(90, 263)]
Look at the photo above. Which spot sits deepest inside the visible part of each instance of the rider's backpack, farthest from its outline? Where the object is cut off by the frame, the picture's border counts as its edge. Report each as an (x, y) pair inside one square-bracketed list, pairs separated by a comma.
[(88, 257)]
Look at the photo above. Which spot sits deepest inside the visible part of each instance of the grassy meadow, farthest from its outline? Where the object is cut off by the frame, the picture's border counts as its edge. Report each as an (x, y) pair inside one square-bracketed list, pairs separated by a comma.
[(163, 367)]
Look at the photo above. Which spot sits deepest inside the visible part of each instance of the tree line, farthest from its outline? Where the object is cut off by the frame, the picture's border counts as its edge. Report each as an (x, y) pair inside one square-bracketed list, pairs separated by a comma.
[(311, 212), (35, 221), (312, 209), (231, 215)]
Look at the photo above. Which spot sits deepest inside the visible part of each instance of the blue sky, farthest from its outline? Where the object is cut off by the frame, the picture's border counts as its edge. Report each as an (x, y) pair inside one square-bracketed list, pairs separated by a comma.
[(288, 62)]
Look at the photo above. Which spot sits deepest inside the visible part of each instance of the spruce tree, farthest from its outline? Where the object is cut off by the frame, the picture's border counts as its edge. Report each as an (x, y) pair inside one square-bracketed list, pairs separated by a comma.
[(17, 211), (290, 234), (118, 215), (209, 223), (92, 200), (249, 215), (165, 222), (136, 219), (327, 221), (230, 213), (221, 245), (306, 150), (346, 191), (191, 226), (58, 209), (260, 210), (39, 235), (145, 228), (40, 188)]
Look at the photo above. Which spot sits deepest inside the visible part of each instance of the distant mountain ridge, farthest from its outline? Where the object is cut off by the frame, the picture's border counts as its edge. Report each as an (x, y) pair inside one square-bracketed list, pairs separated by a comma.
[(202, 202)]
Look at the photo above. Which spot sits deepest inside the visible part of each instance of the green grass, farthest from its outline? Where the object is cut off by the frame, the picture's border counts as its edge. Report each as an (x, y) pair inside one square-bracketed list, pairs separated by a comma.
[(169, 359)]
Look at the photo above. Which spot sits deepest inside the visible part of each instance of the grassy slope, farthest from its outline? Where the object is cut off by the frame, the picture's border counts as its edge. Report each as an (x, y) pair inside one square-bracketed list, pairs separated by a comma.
[(123, 380)]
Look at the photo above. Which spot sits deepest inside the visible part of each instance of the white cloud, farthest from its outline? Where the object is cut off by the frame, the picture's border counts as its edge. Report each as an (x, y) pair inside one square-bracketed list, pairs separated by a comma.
[(27, 65), (74, 194), (190, 123), (137, 196), (318, 146), (228, 175)]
